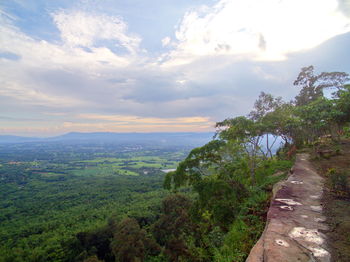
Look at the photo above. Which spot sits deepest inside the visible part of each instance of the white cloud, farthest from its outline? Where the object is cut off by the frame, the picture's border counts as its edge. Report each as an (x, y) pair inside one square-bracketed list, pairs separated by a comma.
[(166, 41), (39, 75), (257, 29), (40, 53), (85, 29), (28, 94)]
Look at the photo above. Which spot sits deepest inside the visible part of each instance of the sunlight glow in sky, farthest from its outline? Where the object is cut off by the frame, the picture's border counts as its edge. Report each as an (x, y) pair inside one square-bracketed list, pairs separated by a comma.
[(94, 65)]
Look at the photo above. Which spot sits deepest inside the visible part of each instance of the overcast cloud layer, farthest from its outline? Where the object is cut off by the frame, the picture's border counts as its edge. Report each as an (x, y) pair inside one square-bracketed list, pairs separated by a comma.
[(163, 66)]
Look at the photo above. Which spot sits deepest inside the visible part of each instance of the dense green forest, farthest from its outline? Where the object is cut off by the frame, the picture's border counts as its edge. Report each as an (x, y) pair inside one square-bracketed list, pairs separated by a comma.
[(112, 207), (49, 192)]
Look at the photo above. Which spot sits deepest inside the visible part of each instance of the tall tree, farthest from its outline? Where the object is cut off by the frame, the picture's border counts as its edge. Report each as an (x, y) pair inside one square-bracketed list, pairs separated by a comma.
[(343, 105), (248, 133), (264, 105), (283, 122), (313, 85), (195, 166), (174, 227), (318, 118), (130, 243)]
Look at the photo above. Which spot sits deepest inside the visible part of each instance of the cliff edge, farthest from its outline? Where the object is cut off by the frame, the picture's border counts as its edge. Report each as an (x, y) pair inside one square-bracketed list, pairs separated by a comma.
[(295, 222)]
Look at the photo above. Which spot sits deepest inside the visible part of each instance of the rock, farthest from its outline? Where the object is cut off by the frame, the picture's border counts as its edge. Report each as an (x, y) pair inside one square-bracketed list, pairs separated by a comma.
[(294, 220)]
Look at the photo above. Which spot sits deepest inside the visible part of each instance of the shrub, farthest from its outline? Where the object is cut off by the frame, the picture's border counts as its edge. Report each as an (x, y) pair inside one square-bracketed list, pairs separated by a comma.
[(236, 244), (346, 131), (339, 182)]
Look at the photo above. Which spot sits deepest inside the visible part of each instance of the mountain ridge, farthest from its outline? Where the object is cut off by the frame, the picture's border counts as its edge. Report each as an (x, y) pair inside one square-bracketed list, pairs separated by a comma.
[(112, 137)]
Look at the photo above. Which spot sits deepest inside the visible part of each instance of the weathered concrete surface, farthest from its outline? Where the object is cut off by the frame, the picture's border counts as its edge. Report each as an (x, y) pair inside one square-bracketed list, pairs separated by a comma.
[(294, 220)]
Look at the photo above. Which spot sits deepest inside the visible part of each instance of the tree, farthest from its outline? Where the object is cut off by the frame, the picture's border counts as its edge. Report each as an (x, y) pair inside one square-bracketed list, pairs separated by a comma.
[(318, 118), (130, 242), (248, 133), (174, 227), (195, 166), (221, 199), (96, 242), (343, 105), (264, 105), (218, 173), (92, 259), (283, 122), (312, 85)]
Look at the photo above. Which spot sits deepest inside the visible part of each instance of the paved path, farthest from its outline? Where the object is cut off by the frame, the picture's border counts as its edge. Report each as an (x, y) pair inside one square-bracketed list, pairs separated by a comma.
[(295, 220)]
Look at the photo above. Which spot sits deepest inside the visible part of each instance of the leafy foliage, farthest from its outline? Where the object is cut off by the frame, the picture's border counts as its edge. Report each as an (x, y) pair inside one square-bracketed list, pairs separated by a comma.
[(312, 85)]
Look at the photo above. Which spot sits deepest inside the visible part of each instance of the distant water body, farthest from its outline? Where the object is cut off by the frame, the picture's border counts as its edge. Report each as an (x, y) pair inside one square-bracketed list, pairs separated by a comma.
[(168, 170)]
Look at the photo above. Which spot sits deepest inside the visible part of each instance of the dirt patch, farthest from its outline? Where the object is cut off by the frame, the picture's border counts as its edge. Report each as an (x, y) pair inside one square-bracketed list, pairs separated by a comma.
[(336, 202)]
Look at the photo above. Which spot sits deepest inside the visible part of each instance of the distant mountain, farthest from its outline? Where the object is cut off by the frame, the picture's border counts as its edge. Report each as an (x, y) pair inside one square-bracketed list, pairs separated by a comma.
[(17, 139), (191, 139), (181, 138)]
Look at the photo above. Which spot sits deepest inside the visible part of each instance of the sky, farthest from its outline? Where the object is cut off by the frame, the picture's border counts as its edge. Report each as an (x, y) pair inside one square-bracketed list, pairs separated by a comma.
[(157, 66)]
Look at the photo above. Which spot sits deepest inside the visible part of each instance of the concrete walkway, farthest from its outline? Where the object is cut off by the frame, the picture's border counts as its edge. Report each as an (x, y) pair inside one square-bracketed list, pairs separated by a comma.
[(295, 220)]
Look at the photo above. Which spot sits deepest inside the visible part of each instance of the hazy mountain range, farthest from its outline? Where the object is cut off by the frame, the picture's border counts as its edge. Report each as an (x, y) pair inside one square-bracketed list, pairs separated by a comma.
[(189, 138)]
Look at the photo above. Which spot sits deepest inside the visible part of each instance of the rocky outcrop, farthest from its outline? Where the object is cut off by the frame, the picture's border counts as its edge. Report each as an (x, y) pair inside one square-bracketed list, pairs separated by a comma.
[(295, 222)]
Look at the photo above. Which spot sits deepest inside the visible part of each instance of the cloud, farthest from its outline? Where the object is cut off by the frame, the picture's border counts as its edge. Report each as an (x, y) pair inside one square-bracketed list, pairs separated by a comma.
[(116, 127), (264, 30), (262, 42), (85, 29), (344, 6), (29, 94), (147, 120), (166, 41), (38, 72)]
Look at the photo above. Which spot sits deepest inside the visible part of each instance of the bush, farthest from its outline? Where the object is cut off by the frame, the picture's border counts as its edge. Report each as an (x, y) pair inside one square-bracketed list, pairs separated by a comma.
[(236, 244), (339, 182), (346, 131)]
